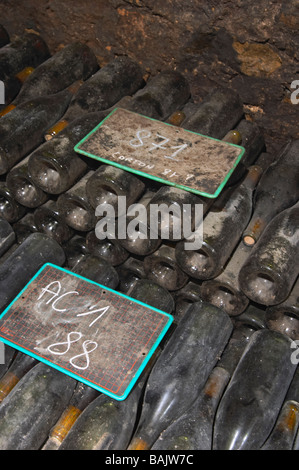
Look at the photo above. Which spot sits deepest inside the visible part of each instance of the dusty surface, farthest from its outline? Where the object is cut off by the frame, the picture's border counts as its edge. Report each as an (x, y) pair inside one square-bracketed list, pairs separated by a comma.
[(250, 46)]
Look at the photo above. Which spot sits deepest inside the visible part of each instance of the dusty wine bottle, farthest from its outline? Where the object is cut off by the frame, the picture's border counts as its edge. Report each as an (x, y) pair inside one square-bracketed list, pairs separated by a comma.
[(283, 435), (107, 184), (12, 88), (284, 317), (277, 190), (253, 398), (224, 290), (161, 95), (185, 297), (75, 249), (162, 268), (33, 407), (30, 50), (24, 262), (108, 248), (7, 236), (4, 36), (54, 166), (74, 206), (82, 397), (22, 129), (21, 364), (152, 294), (97, 269), (49, 220), (120, 77), (138, 240), (230, 217), (177, 207), (24, 227), (269, 273), (217, 114), (107, 424), (193, 429), (22, 188), (129, 272), (74, 62), (181, 370), (10, 209)]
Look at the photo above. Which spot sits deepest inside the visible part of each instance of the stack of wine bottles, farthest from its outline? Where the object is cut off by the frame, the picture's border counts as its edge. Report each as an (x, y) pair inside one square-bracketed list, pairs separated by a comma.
[(225, 376)]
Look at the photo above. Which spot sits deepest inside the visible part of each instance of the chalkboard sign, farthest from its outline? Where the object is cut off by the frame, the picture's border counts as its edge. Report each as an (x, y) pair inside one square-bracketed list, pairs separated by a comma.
[(90, 332), (163, 152)]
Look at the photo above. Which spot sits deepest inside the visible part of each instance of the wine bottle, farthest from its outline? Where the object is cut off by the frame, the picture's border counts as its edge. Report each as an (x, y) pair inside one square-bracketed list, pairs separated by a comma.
[(120, 77), (75, 207), (9, 355), (162, 268), (269, 273), (30, 50), (107, 424), (185, 297), (277, 190), (284, 317), (10, 209), (193, 429), (24, 227), (7, 236), (13, 86), (75, 249), (54, 166), (129, 272), (49, 220), (161, 95), (33, 407), (21, 364), (224, 291), (230, 217), (83, 395), (253, 398), (98, 270), (22, 129), (283, 435), (177, 207), (108, 248), (138, 240), (76, 61), (217, 114), (153, 294), (108, 183), (181, 370), (4, 36), (22, 188), (24, 262)]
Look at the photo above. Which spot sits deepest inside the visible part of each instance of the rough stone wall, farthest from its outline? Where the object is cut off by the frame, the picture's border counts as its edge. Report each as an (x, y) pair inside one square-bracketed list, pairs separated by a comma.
[(249, 45)]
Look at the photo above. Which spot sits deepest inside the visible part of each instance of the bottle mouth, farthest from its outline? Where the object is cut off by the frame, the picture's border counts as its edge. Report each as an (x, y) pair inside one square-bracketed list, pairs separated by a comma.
[(224, 296), (198, 264), (165, 274), (262, 287), (284, 320), (77, 215), (27, 193), (47, 175)]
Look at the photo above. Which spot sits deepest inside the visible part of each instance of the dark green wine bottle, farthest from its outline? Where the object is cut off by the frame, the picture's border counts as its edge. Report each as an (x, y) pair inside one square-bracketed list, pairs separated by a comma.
[(7, 236), (10, 209), (24, 262), (216, 115), (30, 50), (152, 294), (271, 269), (83, 395), (21, 364), (253, 398), (74, 62), (284, 317), (98, 270), (24, 227), (283, 435), (108, 248), (181, 370), (120, 77), (49, 221), (278, 189), (129, 272), (22, 129), (33, 407), (185, 297), (54, 166), (162, 95)]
